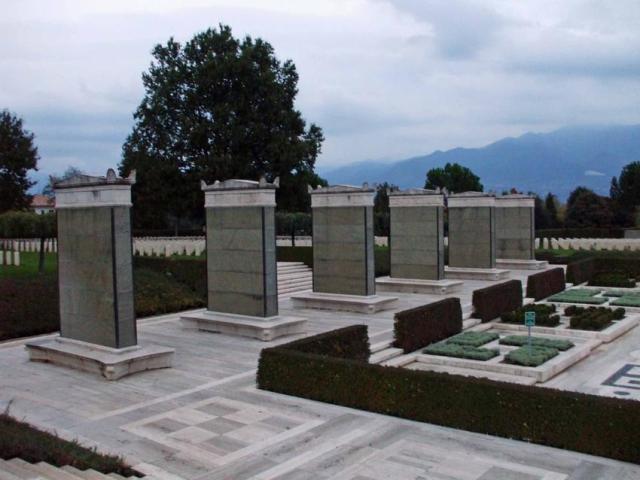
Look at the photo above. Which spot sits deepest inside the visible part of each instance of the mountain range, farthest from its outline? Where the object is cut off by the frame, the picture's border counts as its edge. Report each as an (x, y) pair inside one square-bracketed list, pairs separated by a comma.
[(556, 162)]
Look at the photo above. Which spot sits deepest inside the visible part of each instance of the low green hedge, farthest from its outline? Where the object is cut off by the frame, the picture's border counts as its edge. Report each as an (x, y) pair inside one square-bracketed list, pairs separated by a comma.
[(21, 440), (491, 302), (581, 271), (541, 285), (191, 272), (446, 349), (544, 315), (156, 293), (521, 340), (418, 327), (613, 279), (593, 318), (473, 339), (530, 357), (29, 306), (585, 423)]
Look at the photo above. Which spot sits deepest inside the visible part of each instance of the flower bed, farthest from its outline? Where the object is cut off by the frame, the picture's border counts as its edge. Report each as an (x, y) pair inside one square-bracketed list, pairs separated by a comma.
[(446, 349), (533, 357), (627, 301), (544, 315), (522, 340), (579, 296), (473, 339)]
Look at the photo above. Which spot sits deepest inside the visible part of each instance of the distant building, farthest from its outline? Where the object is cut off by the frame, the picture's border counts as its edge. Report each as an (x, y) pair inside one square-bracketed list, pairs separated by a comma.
[(41, 204)]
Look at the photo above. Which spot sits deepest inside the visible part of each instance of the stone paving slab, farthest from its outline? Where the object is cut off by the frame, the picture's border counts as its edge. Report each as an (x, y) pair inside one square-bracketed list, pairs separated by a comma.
[(205, 419)]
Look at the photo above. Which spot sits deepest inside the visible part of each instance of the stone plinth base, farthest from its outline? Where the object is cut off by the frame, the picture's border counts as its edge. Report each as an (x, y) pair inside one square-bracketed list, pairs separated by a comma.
[(513, 264), (345, 303), (111, 363), (414, 285), (265, 329), (459, 273)]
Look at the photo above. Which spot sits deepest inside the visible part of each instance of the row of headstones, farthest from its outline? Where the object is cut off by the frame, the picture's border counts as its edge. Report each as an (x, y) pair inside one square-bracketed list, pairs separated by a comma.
[(31, 244), (8, 257)]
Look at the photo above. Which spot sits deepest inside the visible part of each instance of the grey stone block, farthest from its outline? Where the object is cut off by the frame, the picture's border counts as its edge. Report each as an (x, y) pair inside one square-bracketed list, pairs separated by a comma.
[(472, 237)]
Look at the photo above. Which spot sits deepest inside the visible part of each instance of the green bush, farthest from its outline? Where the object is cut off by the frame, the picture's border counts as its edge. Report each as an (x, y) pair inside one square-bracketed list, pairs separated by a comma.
[(586, 423), (473, 339), (541, 285), (156, 293), (592, 319), (21, 440), (614, 314), (613, 279), (348, 342), (544, 315), (491, 302), (191, 272), (619, 313), (421, 326), (27, 225), (521, 340), (447, 349), (29, 306), (533, 357)]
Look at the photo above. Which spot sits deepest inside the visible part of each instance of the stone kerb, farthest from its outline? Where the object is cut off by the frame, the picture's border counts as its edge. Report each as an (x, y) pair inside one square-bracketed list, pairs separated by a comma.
[(95, 276)]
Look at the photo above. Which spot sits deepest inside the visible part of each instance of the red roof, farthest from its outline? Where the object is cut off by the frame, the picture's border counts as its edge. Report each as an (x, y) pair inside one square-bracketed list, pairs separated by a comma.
[(42, 201)]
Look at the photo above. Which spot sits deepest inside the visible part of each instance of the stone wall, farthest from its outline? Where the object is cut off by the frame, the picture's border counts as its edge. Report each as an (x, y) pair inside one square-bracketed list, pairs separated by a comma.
[(515, 233), (417, 242), (96, 276), (343, 247), (472, 237), (241, 260)]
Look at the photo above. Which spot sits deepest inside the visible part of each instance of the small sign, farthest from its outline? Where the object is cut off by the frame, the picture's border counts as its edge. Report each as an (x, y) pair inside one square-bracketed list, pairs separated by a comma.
[(530, 319)]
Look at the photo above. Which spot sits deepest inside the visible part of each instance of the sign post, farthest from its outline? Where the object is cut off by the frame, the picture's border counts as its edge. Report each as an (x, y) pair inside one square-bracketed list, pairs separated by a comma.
[(529, 321)]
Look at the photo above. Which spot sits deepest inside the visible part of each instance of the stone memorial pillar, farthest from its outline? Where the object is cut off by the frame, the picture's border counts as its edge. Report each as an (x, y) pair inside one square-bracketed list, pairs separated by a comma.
[(416, 243), (95, 279), (472, 237), (343, 252), (241, 263), (515, 233)]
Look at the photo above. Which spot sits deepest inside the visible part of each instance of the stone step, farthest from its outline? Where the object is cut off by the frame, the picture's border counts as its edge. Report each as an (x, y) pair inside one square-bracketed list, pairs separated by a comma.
[(89, 474), (283, 280), (16, 469), (470, 323), (283, 270), (32, 470), (293, 267), (384, 355), (290, 264), (378, 347), (55, 473), (5, 474), (302, 281), (295, 288), (116, 476)]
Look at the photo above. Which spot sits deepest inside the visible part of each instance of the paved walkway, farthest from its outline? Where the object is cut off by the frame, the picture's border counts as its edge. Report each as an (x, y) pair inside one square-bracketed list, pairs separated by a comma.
[(204, 418)]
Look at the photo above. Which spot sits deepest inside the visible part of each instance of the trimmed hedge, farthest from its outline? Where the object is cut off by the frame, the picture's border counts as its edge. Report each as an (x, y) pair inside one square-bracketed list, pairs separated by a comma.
[(581, 271), (533, 357), (446, 349), (348, 342), (585, 423), (418, 327), (29, 306), (544, 315), (523, 340), (612, 279), (490, 302), (473, 339), (189, 271), (32, 445), (543, 284)]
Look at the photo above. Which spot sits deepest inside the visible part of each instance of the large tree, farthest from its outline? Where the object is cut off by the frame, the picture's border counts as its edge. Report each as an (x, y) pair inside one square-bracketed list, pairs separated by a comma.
[(455, 178), (586, 209), (215, 108), (625, 194), (551, 206), (18, 155)]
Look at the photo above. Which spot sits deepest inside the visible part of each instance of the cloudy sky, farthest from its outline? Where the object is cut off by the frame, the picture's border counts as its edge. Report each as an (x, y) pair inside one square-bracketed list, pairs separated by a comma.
[(386, 79)]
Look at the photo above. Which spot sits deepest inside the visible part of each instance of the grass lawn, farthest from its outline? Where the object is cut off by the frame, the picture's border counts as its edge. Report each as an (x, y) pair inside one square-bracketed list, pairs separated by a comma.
[(29, 265), (19, 439)]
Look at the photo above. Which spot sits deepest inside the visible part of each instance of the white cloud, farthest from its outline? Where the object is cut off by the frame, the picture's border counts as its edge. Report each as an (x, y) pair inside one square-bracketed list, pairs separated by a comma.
[(593, 173)]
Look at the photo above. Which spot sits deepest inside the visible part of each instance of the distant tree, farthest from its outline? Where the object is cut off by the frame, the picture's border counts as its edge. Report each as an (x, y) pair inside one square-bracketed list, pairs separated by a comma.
[(625, 193), (381, 200), (216, 108), (453, 177), (540, 214), (53, 179), (551, 206), (586, 209), (18, 155)]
